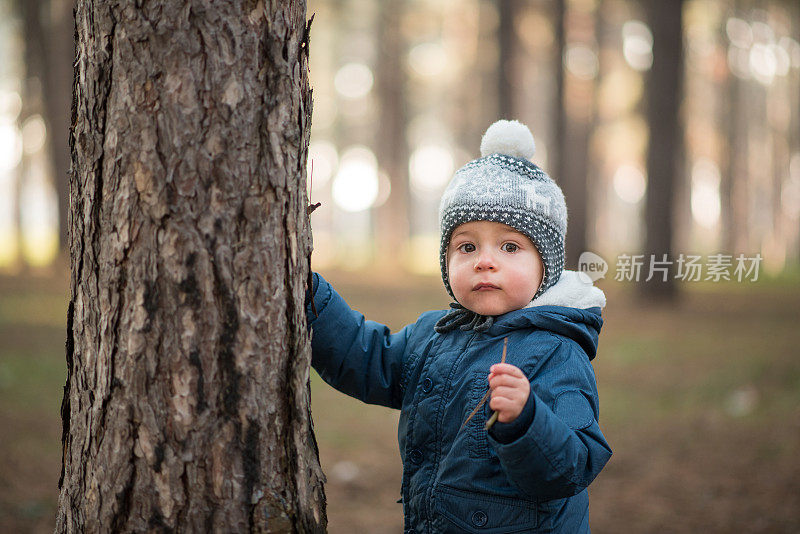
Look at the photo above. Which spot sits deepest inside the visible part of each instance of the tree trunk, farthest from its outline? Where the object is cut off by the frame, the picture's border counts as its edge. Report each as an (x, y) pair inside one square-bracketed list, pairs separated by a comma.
[(186, 405), (665, 151), (392, 146), (733, 183), (507, 43), (49, 51), (560, 116), (573, 128), (734, 164), (794, 123)]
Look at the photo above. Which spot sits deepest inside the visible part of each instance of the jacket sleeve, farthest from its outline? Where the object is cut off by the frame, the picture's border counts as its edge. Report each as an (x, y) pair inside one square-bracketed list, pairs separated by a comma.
[(562, 450), (358, 357)]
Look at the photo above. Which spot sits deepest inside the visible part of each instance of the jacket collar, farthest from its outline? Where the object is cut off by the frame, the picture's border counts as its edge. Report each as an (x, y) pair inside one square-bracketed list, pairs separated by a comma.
[(571, 308), (574, 290)]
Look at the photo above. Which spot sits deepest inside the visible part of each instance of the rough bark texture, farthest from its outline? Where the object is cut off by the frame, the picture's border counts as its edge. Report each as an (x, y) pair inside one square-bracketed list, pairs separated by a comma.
[(186, 403)]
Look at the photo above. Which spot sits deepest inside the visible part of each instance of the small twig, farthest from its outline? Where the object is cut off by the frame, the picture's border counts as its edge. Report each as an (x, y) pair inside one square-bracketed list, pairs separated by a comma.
[(478, 407), (311, 207), (493, 418), (309, 210), (306, 38), (491, 421)]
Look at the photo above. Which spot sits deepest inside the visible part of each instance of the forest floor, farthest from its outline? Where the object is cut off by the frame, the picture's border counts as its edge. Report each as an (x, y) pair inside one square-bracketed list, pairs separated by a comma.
[(700, 401)]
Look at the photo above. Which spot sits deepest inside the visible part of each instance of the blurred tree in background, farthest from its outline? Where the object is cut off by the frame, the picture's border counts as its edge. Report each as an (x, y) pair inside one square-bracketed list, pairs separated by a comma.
[(664, 150), (666, 139), (577, 70), (48, 31)]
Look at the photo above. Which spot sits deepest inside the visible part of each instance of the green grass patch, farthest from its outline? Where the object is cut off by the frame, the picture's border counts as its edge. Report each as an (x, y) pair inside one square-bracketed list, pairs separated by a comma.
[(35, 308), (31, 380)]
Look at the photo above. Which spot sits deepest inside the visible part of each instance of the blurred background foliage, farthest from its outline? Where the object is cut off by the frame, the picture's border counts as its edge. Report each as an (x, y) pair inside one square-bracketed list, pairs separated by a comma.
[(673, 128), (403, 91)]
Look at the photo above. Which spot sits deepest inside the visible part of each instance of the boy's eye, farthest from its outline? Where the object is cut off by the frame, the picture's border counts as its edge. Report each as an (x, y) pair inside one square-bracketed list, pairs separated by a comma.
[(467, 247), (510, 247)]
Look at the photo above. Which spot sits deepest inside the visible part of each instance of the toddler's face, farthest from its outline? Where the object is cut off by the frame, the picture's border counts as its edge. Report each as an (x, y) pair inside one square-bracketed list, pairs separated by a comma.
[(493, 269)]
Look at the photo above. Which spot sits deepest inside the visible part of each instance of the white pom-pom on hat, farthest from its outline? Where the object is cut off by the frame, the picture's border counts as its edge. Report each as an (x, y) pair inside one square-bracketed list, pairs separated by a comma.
[(511, 138)]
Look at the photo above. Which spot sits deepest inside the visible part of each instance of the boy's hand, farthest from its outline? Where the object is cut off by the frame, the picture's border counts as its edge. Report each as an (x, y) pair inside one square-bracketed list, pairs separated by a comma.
[(510, 391)]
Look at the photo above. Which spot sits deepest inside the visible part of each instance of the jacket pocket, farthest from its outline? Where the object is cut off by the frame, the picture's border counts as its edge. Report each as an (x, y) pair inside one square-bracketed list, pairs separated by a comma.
[(408, 367), (464, 511), (574, 409), (477, 442)]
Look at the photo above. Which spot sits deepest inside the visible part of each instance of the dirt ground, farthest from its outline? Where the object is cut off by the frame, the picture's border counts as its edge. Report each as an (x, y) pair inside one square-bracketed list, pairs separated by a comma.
[(700, 401)]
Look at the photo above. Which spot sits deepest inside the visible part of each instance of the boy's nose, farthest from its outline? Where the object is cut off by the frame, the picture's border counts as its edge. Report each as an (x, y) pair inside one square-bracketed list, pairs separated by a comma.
[(485, 262)]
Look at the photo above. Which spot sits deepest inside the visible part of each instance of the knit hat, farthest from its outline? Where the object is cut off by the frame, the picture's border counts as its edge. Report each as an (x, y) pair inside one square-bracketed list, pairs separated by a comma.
[(504, 186)]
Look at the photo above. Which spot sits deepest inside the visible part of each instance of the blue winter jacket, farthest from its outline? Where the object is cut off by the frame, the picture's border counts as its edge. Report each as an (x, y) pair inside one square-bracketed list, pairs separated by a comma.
[(467, 479)]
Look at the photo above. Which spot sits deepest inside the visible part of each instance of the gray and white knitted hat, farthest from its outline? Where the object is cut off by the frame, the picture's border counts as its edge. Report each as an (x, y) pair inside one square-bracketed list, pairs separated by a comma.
[(504, 186)]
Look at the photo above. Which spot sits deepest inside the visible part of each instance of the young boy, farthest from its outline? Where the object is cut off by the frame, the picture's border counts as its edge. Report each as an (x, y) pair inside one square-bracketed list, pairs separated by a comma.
[(503, 223)]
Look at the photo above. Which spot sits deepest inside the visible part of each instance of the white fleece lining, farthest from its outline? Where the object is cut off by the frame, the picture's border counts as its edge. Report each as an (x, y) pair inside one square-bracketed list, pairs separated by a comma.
[(574, 290)]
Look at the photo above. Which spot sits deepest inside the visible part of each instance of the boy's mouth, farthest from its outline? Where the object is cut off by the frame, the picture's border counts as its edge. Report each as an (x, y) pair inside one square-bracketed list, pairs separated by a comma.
[(484, 286)]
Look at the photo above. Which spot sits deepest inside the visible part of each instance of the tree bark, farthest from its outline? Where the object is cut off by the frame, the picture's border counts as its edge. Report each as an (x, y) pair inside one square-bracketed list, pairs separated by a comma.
[(186, 405), (665, 149)]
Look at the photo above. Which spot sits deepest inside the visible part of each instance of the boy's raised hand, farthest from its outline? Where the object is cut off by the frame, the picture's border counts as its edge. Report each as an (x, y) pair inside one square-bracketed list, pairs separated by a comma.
[(510, 390)]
